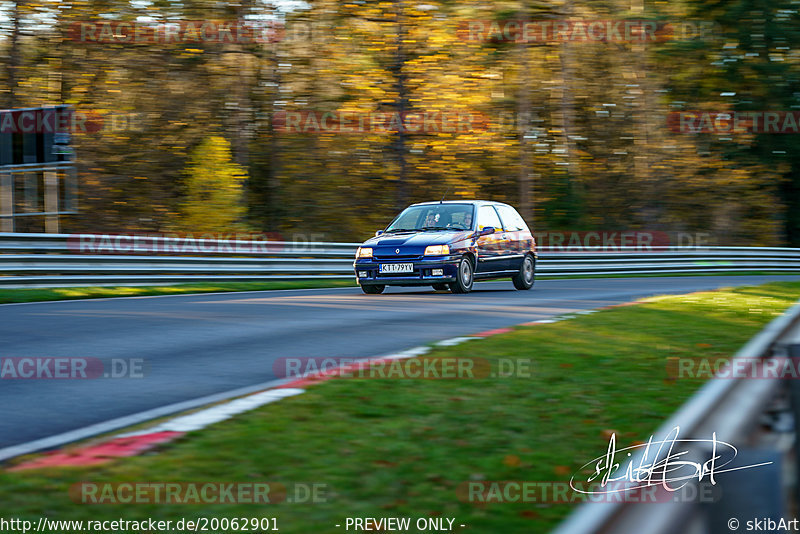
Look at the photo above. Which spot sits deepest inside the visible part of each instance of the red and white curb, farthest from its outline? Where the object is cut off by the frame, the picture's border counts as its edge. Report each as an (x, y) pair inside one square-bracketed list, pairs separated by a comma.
[(139, 441)]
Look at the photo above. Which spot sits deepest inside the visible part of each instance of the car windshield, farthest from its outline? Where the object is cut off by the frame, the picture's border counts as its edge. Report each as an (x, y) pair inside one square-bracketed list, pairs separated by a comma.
[(433, 217)]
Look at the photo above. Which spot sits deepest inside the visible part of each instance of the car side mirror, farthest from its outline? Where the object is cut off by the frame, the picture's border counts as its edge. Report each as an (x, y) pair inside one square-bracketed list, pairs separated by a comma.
[(486, 230), (379, 232)]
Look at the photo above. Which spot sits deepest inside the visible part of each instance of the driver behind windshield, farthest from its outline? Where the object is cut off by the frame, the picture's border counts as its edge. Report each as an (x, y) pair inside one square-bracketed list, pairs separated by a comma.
[(448, 219), (433, 218)]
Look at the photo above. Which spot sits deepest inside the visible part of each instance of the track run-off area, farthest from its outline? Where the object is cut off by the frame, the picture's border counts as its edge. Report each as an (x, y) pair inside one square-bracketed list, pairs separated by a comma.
[(171, 353)]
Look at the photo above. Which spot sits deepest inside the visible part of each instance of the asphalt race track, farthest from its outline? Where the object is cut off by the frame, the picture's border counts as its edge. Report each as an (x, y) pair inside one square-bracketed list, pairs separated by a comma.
[(198, 345)]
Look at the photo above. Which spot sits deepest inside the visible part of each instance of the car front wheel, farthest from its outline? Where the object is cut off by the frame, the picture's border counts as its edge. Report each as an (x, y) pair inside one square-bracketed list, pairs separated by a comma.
[(524, 278), (464, 279), (372, 289)]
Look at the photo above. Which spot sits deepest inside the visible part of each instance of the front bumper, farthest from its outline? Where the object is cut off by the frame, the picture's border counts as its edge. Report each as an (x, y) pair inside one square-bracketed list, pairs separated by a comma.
[(421, 276)]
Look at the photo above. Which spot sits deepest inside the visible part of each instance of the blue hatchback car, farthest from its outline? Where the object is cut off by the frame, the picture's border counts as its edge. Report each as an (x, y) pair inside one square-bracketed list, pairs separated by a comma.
[(448, 245)]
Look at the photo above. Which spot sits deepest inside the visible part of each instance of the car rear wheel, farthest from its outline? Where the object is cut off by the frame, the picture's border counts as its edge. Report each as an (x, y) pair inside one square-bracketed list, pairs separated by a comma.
[(372, 289), (524, 278), (464, 278), (441, 287)]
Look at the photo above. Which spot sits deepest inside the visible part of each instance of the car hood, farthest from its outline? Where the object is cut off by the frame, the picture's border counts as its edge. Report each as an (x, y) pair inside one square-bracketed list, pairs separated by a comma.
[(417, 239)]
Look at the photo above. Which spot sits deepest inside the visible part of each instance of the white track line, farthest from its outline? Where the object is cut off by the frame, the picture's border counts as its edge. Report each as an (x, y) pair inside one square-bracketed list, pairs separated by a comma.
[(215, 414), (455, 341), (253, 397), (51, 442)]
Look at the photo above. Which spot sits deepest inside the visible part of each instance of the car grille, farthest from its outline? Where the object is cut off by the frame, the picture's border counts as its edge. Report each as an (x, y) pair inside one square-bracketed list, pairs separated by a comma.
[(397, 257)]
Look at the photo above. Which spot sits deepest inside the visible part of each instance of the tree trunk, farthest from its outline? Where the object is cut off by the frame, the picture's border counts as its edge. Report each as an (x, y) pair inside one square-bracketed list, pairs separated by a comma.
[(401, 106), (523, 128), (13, 65)]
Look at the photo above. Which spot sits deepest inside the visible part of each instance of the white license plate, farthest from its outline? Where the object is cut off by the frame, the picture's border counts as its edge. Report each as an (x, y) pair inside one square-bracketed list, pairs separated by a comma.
[(397, 267)]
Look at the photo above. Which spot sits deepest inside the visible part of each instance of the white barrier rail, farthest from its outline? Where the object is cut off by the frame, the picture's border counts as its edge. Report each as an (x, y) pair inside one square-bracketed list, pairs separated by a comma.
[(60, 259)]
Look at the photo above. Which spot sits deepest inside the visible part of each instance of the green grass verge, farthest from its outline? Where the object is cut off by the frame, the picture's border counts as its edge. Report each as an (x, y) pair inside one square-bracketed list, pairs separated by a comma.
[(70, 293), (15, 295), (389, 448)]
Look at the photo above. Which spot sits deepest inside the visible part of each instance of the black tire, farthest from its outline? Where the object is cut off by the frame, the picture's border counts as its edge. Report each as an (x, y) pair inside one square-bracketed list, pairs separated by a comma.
[(372, 289), (465, 277), (441, 287), (527, 273)]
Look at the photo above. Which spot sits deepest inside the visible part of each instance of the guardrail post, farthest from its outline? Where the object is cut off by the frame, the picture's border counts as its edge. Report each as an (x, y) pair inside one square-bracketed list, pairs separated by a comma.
[(51, 201), (7, 201)]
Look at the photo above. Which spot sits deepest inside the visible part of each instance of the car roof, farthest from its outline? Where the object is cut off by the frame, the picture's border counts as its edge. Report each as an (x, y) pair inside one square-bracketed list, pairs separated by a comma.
[(473, 202)]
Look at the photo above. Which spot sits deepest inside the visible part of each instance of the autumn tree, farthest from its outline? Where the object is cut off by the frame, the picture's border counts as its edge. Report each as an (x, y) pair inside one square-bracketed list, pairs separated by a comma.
[(214, 187)]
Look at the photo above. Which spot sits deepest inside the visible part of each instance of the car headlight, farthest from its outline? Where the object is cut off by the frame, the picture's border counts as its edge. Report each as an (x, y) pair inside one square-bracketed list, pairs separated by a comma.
[(364, 252), (437, 250)]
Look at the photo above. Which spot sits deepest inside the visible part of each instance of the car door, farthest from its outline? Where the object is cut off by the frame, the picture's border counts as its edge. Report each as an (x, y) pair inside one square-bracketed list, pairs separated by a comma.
[(517, 233), (493, 254)]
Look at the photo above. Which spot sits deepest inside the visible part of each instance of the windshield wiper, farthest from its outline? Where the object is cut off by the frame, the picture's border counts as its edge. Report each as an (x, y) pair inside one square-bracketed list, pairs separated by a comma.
[(393, 230), (437, 228)]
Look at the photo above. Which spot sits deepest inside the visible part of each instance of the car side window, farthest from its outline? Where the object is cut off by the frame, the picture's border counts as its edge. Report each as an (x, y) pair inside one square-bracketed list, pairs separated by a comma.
[(512, 220), (488, 217)]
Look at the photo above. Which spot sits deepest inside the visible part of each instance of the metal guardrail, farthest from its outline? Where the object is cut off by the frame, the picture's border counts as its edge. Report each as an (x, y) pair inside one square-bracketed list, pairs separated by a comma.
[(743, 412), (57, 259), (733, 409)]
